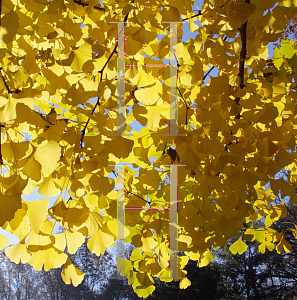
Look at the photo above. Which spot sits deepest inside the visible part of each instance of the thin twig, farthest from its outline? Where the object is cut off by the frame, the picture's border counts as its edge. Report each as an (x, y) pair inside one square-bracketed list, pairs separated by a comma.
[(110, 56), (101, 77), (86, 4), (199, 14), (113, 51), (224, 4), (136, 196), (208, 72), (164, 148), (187, 105), (5, 83), (115, 174), (17, 91), (83, 133)]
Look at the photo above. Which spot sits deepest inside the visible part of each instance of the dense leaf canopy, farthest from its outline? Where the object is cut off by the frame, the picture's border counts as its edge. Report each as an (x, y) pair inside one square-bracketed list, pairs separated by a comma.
[(58, 111)]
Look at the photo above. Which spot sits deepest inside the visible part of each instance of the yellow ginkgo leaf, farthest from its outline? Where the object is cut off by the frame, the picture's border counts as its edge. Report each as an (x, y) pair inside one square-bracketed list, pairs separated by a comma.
[(11, 203), (238, 247), (32, 169), (37, 212), (148, 243), (124, 266), (153, 117), (262, 247), (50, 258), (206, 259), (10, 22), (149, 95), (48, 155), (142, 290), (18, 253), (8, 111), (48, 188), (4, 241), (39, 240), (283, 245), (252, 234), (143, 79), (184, 283), (82, 55), (115, 227), (74, 241), (98, 242), (71, 274)]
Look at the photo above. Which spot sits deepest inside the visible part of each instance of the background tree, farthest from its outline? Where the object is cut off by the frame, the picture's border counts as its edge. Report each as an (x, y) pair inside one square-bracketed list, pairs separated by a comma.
[(290, 31), (19, 282), (22, 282)]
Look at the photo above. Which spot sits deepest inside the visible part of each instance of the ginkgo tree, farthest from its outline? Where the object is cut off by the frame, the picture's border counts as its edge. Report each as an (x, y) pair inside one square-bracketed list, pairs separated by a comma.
[(59, 113)]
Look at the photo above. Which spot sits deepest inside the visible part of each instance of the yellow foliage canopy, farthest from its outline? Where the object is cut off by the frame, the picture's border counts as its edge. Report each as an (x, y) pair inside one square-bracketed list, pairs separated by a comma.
[(60, 105)]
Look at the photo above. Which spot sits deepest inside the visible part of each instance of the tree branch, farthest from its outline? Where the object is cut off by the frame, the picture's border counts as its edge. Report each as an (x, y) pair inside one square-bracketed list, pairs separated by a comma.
[(208, 72), (242, 59), (86, 4), (137, 196), (114, 49), (83, 133), (199, 14), (242, 54), (5, 83), (110, 56), (1, 158), (115, 174), (164, 148), (0, 11), (187, 105), (101, 77)]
